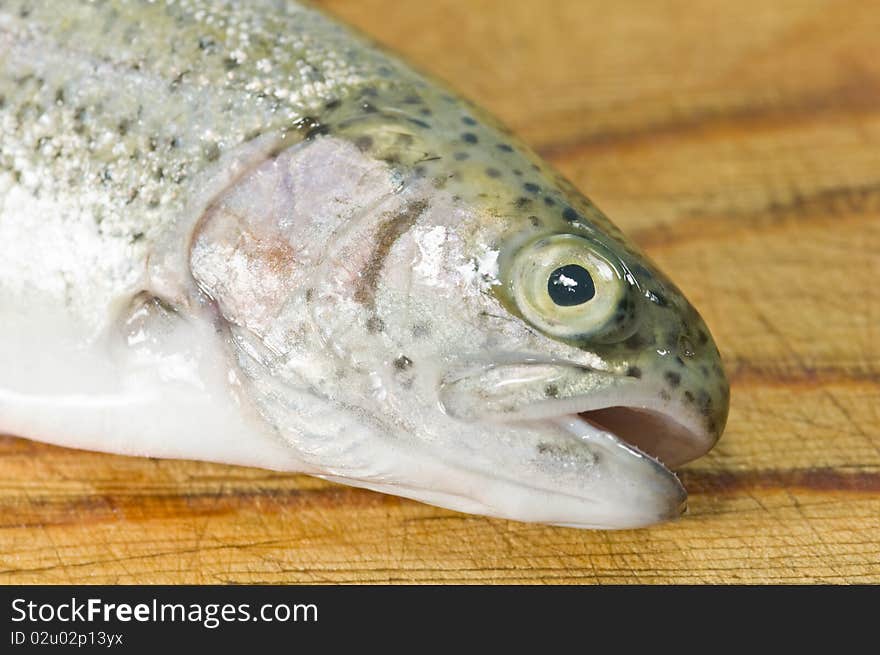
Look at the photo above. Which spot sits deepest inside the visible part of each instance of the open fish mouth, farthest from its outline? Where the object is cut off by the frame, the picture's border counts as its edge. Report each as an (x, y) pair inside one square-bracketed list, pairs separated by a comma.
[(657, 434), (635, 411), (615, 439)]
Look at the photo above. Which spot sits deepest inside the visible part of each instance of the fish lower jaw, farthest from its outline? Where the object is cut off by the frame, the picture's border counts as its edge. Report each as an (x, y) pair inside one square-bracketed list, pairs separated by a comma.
[(645, 491)]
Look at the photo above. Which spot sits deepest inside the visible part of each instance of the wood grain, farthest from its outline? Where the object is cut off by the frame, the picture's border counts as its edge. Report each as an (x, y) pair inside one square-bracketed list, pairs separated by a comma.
[(739, 143)]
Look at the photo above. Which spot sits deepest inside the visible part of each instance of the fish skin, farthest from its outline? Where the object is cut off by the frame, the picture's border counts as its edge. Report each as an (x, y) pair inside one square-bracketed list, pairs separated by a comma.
[(159, 164)]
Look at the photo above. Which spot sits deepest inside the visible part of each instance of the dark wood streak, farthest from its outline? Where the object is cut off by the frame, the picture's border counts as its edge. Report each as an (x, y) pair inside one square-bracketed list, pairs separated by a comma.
[(812, 479), (790, 374), (852, 97), (826, 207), (388, 233), (68, 510)]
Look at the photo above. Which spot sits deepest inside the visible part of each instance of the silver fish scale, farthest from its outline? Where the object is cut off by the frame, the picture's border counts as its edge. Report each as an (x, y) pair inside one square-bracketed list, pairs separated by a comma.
[(112, 107)]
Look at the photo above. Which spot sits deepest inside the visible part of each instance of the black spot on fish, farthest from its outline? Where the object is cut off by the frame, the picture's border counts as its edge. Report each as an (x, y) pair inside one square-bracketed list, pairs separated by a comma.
[(368, 108), (402, 363), (704, 402), (522, 202), (421, 330), (504, 147), (375, 324), (230, 63), (412, 100), (426, 112), (570, 215), (688, 396), (638, 341), (369, 91), (551, 391), (493, 172), (205, 43), (177, 81), (702, 337), (672, 378), (211, 151), (531, 187), (332, 104), (549, 201), (460, 156), (467, 120), (634, 372), (416, 121), (469, 137), (535, 221), (174, 143), (364, 143), (310, 293)]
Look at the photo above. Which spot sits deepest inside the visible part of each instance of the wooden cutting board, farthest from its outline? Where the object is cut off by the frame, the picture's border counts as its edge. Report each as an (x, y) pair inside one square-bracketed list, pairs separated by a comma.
[(739, 144)]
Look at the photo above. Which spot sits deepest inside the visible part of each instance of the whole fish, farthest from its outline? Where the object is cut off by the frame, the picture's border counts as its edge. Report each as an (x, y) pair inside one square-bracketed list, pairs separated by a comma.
[(241, 232)]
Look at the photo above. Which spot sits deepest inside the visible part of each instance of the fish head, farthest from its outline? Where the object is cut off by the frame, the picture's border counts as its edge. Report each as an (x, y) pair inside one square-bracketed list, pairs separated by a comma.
[(494, 342), (567, 372)]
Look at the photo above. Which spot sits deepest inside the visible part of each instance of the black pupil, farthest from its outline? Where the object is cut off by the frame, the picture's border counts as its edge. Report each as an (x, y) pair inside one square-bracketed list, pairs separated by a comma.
[(570, 285)]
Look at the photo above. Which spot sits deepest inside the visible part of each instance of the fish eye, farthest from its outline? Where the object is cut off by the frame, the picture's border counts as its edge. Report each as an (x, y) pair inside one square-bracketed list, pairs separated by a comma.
[(567, 286)]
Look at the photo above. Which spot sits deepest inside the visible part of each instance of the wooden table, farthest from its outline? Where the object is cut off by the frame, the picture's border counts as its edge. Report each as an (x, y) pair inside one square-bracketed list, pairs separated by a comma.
[(739, 143)]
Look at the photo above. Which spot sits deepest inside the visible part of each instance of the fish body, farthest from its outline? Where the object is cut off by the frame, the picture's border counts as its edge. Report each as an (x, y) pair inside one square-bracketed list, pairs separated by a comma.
[(241, 232)]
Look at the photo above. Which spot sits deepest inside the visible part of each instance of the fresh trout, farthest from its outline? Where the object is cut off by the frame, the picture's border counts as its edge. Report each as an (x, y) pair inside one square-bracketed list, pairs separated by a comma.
[(241, 232)]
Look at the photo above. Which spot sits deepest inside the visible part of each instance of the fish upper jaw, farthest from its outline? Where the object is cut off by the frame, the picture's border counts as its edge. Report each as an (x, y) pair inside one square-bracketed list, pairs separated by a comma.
[(635, 409)]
